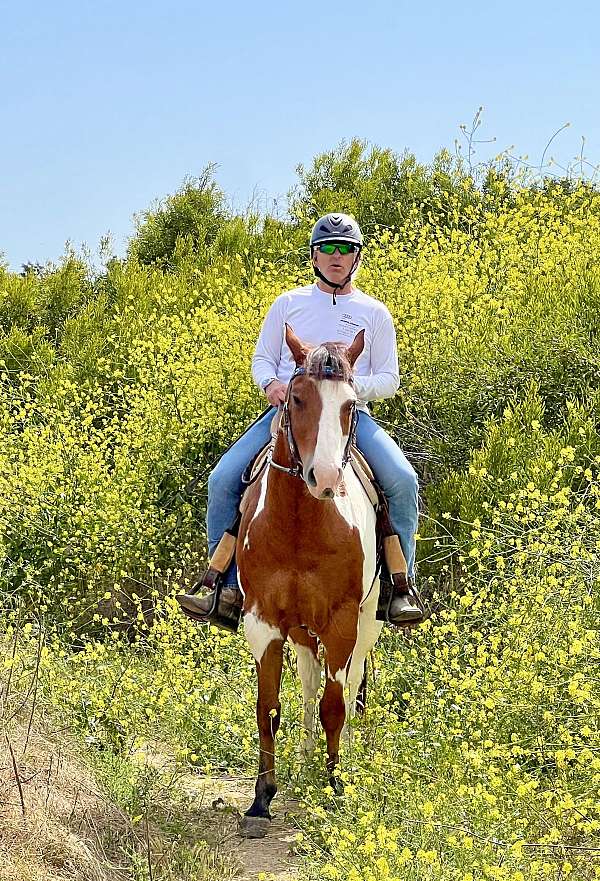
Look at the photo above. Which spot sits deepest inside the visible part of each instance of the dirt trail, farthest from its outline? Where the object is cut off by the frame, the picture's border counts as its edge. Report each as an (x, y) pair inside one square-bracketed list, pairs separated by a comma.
[(230, 796)]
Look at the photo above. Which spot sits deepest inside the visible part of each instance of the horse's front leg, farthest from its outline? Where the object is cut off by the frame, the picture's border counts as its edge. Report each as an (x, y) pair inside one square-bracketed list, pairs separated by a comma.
[(255, 822)]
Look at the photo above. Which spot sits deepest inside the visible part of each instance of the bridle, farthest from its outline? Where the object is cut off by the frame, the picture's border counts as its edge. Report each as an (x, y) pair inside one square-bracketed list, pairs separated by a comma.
[(285, 423)]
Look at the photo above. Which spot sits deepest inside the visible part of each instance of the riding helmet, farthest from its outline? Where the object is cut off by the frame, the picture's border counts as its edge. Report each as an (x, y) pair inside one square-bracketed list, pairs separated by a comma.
[(336, 228)]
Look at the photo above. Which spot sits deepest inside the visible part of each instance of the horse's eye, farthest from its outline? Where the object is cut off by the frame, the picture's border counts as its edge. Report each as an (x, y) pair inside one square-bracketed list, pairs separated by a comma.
[(297, 401)]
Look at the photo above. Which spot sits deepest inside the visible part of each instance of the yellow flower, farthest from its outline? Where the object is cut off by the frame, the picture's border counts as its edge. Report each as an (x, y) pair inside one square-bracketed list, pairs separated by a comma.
[(427, 809)]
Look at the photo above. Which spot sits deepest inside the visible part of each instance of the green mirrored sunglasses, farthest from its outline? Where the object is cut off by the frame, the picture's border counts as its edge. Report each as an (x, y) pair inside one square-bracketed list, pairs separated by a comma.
[(342, 247)]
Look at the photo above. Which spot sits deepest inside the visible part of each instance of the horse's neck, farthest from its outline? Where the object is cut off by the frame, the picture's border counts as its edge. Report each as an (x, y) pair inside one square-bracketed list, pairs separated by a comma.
[(299, 517)]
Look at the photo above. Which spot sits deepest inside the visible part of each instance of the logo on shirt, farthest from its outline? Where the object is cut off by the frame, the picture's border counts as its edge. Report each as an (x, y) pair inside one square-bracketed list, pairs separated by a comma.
[(347, 328)]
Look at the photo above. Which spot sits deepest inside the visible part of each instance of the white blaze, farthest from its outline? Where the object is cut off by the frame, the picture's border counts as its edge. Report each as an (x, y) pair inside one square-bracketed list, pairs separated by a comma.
[(331, 441)]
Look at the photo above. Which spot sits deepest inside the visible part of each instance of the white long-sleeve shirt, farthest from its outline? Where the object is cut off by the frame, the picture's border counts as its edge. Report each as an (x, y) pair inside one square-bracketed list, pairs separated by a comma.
[(312, 316)]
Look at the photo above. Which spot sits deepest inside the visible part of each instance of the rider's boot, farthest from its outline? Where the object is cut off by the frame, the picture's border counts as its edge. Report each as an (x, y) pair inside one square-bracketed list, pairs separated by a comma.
[(399, 601), (406, 606), (221, 607)]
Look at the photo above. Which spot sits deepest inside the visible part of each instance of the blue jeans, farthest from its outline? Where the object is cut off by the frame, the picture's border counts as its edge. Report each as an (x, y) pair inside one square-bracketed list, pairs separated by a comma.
[(392, 469)]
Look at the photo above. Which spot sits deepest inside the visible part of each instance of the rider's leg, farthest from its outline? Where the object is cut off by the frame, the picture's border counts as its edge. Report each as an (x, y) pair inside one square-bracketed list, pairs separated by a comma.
[(225, 486), (397, 479)]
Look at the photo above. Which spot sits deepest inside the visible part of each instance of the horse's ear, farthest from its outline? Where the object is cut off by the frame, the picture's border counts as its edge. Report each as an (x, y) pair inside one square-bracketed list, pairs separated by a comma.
[(356, 347), (299, 349)]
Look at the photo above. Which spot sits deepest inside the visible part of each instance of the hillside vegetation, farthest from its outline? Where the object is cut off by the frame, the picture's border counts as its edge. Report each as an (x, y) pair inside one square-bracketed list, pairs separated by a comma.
[(479, 754)]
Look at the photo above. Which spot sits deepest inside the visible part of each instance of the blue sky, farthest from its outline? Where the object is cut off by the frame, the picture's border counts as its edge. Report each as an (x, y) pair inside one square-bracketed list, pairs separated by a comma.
[(108, 106)]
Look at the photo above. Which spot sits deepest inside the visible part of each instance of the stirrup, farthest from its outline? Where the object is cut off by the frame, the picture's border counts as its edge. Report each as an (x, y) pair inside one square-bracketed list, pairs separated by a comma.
[(225, 622), (386, 593)]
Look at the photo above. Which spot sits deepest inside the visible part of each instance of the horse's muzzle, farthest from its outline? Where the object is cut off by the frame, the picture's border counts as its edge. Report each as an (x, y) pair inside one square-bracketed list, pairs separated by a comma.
[(322, 483)]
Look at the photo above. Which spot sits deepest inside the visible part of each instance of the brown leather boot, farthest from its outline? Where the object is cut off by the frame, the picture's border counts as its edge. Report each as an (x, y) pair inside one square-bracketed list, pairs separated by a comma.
[(399, 601), (227, 612), (406, 608)]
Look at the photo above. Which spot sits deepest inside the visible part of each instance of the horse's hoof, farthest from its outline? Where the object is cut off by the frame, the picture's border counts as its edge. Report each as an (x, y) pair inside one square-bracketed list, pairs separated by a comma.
[(253, 827)]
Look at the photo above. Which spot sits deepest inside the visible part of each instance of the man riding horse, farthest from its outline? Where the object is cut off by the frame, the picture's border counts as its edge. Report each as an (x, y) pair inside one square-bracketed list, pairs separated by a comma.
[(331, 309)]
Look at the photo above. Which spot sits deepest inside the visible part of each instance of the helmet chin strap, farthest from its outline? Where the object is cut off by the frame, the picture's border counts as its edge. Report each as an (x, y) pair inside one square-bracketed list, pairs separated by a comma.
[(337, 287)]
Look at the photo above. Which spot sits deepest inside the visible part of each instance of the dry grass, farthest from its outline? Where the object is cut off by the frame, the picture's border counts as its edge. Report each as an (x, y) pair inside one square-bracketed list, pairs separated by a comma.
[(55, 823)]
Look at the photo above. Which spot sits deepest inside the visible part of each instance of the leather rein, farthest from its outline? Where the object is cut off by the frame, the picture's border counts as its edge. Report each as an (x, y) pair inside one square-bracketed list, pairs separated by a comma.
[(285, 425)]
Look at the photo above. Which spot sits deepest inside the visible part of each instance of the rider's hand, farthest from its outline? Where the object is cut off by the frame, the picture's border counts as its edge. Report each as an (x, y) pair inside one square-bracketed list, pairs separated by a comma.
[(275, 393)]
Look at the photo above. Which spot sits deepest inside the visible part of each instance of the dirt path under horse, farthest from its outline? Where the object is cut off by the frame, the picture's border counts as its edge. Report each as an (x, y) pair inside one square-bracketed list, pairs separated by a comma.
[(227, 797)]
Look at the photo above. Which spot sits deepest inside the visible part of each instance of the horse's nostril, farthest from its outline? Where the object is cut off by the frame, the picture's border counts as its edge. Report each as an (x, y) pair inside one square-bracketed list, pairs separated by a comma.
[(328, 493), (312, 480)]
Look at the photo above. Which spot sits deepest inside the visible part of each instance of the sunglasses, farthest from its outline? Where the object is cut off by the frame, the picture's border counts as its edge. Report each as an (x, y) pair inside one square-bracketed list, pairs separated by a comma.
[(342, 247)]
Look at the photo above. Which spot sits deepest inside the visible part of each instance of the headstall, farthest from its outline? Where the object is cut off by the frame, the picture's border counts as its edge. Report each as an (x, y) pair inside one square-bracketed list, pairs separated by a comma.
[(297, 468)]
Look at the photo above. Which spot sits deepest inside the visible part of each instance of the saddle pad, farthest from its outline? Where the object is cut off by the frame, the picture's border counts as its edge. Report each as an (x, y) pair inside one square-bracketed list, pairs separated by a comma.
[(363, 471)]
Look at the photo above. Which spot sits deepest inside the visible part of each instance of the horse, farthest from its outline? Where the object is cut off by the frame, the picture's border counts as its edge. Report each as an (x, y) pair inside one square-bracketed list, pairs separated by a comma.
[(306, 556)]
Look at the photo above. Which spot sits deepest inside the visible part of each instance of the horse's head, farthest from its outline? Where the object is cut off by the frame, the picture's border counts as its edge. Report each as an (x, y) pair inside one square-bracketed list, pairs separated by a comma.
[(321, 404)]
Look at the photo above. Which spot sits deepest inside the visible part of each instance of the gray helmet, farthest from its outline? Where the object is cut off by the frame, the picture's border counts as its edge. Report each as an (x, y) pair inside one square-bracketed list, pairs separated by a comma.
[(336, 228)]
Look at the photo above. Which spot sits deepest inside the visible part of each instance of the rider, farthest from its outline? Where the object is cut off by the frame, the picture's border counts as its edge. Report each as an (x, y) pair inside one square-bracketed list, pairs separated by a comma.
[(331, 309)]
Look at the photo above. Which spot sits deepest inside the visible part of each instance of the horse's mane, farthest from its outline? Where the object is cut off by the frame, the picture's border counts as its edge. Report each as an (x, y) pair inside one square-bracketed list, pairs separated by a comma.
[(327, 359)]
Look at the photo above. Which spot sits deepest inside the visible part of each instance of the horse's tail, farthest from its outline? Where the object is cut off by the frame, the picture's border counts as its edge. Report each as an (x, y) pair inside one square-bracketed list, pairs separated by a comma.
[(361, 697)]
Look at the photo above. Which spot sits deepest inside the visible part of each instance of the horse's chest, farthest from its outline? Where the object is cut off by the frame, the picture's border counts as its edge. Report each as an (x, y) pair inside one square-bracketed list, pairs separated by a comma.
[(292, 542), (324, 533)]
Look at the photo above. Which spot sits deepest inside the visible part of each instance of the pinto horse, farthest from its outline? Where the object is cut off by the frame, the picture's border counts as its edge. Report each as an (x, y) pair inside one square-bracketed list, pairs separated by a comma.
[(307, 560)]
